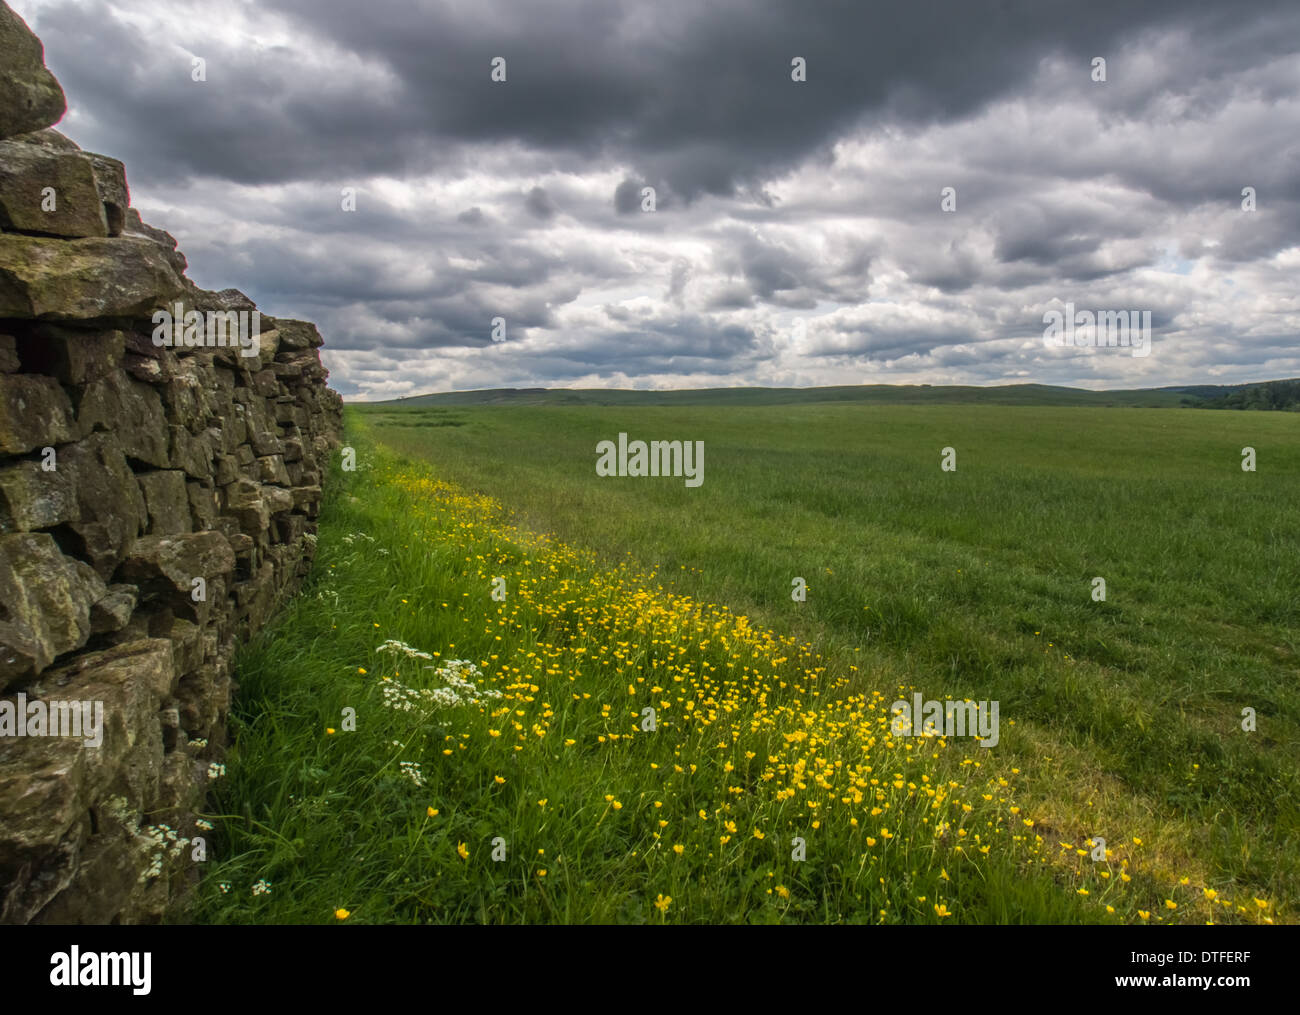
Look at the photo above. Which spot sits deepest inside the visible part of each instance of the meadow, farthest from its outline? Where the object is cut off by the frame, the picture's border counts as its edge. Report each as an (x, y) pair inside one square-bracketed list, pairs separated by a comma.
[(771, 786)]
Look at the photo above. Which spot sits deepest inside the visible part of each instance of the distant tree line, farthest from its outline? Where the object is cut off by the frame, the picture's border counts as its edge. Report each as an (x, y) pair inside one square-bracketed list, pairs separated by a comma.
[(1281, 396)]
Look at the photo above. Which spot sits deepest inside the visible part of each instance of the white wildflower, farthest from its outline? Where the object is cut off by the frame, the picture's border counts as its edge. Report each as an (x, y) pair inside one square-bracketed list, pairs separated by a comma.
[(392, 645), (412, 770)]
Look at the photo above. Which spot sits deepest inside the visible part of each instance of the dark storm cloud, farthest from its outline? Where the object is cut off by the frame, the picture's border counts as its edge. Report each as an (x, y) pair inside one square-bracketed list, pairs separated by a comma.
[(539, 204), (699, 95)]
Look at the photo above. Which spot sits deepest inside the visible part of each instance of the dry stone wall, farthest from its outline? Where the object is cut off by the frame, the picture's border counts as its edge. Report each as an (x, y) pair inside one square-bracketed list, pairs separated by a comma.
[(157, 505)]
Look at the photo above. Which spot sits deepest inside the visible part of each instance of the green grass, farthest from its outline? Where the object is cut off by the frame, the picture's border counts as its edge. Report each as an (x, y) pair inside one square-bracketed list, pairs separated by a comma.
[(1119, 718), (945, 578)]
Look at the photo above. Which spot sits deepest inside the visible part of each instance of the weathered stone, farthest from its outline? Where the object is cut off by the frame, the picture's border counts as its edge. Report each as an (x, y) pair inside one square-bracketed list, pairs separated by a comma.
[(113, 610), (197, 699), (187, 645), (205, 505), (277, 499), (191, 452), (265, 384), (166, 501), (32, 497), (34, 413), (111, 509), (166, 244), (306, 497), (243, 499), (290, 527), (106, 867), (290, 374), (143, 368), (8, 355), (227, 470), (30, 97), (49, 784), (132, 409), (272, 470), (170, 563), (265, 442), (47, 137), (46, 601), (48, 191), (121, 276), (74, 356), (226, 299), (297, 334), (110, 181)]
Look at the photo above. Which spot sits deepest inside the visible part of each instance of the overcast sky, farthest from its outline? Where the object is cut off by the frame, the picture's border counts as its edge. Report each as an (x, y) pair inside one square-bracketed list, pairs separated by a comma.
[(777, 201)]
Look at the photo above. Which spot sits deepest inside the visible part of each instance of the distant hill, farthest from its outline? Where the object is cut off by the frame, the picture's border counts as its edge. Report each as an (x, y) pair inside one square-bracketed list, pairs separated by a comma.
[(1194, 396), (1283, 396)]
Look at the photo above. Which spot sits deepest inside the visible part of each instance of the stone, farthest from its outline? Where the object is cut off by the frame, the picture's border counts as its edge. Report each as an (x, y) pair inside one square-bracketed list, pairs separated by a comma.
[(30, 97), (191, 452), (187, 645), (49, 191), (226, 299), (111, 508), (48, 785), (34, 413), (227, 470), (113, 610), (243, 499), (297, 334), (167, 502), (265, 442), (305, 498), (120, 276), (74, 356), (48, 137), (265, 383), (290, 527), (272, 470), (32, 497), (165, 564), (205, 505), (9, 363), (277, 499), (110, 181), (164, 241), (46, 601), (133, 410)]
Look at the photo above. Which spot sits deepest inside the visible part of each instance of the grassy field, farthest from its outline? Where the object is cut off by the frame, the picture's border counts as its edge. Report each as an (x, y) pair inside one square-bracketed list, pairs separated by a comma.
[(863, 394), (1120, 719)]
